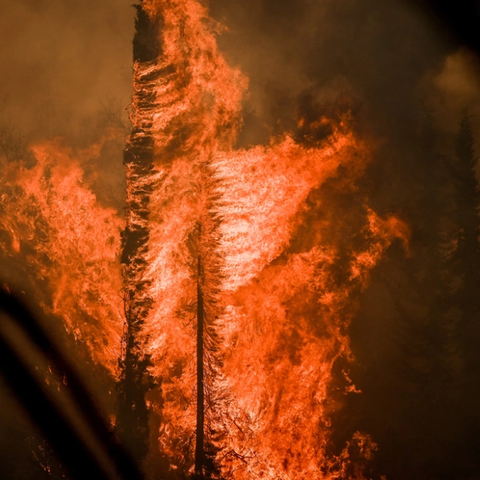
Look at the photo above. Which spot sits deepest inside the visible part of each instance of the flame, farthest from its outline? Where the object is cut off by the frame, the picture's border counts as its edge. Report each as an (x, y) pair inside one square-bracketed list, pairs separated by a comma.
[(284, 310), (70, 242)]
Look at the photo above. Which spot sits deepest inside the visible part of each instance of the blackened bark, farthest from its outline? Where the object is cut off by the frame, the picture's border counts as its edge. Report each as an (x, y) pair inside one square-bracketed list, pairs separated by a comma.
[(146, 48), (135, 380), (208, 274), (200, 432)]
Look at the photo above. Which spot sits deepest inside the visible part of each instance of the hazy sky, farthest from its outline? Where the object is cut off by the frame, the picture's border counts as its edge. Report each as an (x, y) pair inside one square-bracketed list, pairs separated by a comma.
[(62, 60)]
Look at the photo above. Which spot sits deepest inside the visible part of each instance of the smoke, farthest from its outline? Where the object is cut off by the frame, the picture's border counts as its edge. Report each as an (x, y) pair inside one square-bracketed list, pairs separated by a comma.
[(453, 86), (62, 62), (378, 52)]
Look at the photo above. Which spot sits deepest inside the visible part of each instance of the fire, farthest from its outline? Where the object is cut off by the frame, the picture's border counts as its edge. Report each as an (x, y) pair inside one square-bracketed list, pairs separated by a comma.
[(69, 242), (214, 229)]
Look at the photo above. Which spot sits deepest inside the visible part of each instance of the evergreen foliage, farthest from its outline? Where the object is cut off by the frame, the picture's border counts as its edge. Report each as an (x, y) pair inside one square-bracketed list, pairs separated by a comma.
[(135, 380), (206, 268)]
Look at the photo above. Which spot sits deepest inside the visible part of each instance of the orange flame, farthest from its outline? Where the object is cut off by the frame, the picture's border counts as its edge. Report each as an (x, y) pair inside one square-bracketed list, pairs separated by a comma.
[(285, 312), (65, 237)]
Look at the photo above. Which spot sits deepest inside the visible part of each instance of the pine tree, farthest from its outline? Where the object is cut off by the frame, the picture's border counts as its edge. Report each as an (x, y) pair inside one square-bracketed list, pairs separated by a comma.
[(135, 380), (465, 259), (206, 269), (420, 301), (425, 267)]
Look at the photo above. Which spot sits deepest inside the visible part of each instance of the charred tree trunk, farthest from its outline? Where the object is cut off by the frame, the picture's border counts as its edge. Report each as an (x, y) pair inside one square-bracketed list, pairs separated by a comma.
[(208, 274), (200, 432), (138, 159)]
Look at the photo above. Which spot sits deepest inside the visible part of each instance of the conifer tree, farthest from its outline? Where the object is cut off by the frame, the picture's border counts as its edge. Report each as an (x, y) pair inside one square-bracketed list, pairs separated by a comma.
[(206, 270), (422, 301), (135, 380), (465, 258), (425, 267)]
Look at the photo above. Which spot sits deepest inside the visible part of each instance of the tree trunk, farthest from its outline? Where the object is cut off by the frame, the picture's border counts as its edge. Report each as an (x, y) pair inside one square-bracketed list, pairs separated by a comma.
[(138, 159), (200, 433)]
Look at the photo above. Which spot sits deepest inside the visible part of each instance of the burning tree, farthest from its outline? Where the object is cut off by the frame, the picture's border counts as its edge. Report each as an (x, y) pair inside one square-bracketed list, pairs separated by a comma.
[(206, 268), (168, 177), (138, 158), (191, 279), (238, 271)]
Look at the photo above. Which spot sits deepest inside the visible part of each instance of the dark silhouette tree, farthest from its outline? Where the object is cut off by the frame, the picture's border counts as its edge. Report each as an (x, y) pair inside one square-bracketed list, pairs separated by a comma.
[(206, 270), (135, 380), (425, 329), (409, 291), (464, 261)]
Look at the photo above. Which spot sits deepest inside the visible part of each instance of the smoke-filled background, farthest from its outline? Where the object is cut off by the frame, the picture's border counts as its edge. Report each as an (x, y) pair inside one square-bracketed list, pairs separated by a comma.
[(414, 92)]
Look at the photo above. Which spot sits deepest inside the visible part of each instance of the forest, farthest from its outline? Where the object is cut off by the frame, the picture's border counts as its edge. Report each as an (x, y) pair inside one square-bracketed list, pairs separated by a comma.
[(257, 250)]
